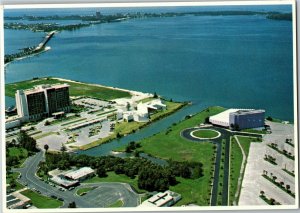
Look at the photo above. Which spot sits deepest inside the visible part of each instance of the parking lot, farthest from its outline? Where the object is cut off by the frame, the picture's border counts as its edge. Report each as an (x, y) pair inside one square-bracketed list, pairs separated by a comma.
[(254, 182)]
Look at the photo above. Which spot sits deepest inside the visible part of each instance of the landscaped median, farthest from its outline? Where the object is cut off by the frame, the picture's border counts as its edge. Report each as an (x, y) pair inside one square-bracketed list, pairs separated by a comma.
[(125, 128)]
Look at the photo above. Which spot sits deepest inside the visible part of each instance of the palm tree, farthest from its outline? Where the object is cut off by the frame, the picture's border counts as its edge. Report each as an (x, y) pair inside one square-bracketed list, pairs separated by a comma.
[(46, 147), (281, 183), (262, 193), (274, 178), (288, 187)]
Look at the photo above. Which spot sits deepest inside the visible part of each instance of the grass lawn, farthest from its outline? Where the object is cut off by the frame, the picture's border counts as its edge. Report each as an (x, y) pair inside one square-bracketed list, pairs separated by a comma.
[(145, 100), (170, 145), (43, 135), (205, 133), (84, 190), (60, 120), (113, 177), (74, 121), (13, 177), (118, 203), (255, 131), (246, 141), (236, 158), (221, 175), (21, 153), (76, 88), (41, 201)]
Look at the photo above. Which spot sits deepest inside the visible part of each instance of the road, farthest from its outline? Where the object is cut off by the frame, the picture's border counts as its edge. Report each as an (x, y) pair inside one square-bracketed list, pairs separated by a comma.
[(225, 135), (106, 193)]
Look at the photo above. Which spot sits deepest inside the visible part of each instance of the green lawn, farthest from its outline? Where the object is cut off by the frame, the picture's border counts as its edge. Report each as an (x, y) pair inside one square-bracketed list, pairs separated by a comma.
[(113, 177), (60, 120), (246, 141), (170, 145), (84, 190), (21, 153), (205, 133), (221, 175), (145, 100), (74, 121), (236, 158), (255, 131), (76, 88), (118, 203), (41, 201), (36, 137), (13, 177)]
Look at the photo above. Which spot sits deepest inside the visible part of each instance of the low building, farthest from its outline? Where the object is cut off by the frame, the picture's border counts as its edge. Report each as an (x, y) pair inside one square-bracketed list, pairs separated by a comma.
[(239, 118), (80, 174), (128, 116), (162, 199), (12, 122), (17, 201), (61, 181)]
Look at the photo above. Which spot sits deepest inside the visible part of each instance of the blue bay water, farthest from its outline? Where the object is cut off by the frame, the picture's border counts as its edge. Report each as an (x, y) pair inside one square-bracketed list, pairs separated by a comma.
[(231, 61)]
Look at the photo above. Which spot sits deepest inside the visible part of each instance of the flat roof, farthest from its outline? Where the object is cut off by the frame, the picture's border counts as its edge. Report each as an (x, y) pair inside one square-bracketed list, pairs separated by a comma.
[(63, 182), (76, 174), (223, 116)]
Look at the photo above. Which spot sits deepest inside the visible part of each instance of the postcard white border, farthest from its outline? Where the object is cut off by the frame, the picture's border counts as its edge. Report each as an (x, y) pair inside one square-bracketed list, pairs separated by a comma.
[(136, 5)]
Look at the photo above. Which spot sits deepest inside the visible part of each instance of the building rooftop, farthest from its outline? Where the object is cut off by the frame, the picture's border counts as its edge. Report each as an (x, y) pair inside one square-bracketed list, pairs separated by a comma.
[(63, 182), (43, 87), (166, 198), (224, 116), (77, 174)]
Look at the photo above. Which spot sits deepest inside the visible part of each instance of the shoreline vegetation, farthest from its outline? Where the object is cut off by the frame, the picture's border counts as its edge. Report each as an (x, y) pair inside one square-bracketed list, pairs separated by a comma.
[(89, 20)]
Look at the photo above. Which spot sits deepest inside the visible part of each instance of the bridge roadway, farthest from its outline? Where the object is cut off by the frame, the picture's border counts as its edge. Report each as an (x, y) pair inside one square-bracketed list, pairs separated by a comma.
[(105, 193), (225, 134)]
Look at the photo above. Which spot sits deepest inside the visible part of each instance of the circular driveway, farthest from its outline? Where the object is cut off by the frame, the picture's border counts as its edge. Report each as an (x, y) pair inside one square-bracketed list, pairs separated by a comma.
[(218, 134)]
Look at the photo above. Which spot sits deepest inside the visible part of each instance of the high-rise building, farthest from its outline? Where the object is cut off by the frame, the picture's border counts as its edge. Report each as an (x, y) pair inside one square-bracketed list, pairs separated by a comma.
[(42, 101)]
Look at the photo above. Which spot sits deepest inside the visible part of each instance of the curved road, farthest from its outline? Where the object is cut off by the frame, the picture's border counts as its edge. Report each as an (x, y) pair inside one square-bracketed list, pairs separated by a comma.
[(225, 134), (106, 193)]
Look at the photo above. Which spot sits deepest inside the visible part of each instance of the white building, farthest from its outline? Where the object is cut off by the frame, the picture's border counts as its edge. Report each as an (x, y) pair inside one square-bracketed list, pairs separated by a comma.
[(80, 174), (239, 118), (12, 122), (162, 199)]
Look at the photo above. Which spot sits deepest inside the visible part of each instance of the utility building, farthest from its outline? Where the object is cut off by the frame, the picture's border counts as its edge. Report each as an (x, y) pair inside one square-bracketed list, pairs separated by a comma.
[(42, 101)]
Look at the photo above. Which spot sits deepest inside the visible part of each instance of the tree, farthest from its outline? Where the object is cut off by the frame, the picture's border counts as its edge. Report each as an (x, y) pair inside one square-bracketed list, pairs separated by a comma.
[(262, 193), (269, 118), (72, 205), (274, 178), (288, 187), (101, 172), (63, 148), (47, 123), (46, 147)]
